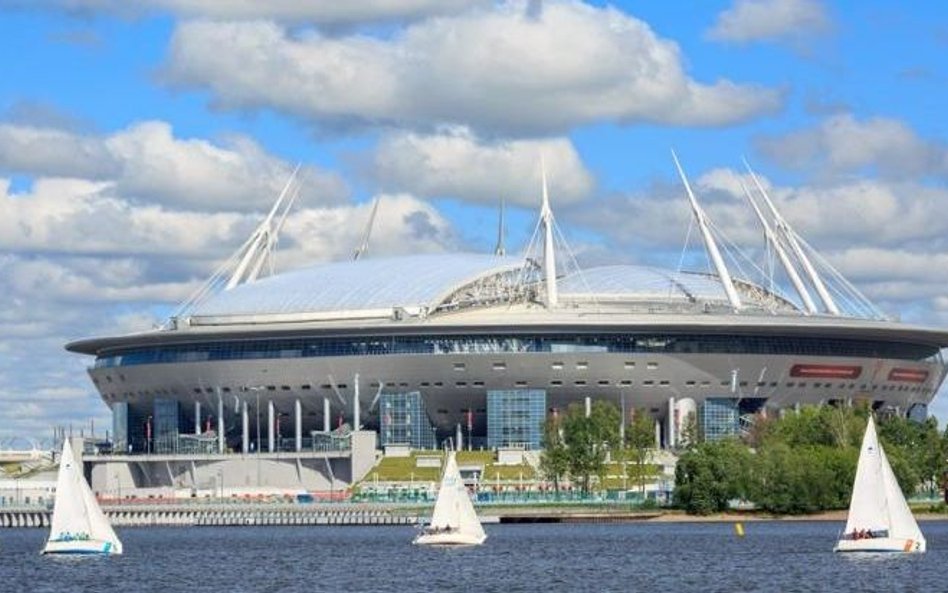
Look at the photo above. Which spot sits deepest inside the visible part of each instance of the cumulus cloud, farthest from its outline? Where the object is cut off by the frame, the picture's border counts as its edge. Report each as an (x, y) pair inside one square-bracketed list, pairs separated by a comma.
[(457, 164), (496, 69), (759, 20), (845, 144), (350, 12), (146, 161)]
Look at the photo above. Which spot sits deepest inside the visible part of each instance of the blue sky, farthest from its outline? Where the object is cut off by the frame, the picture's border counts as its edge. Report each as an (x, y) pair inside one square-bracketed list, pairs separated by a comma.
[(138, 146)]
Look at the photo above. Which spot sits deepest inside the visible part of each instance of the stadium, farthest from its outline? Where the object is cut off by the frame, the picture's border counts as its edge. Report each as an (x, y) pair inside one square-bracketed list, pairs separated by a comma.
[(482, 347)]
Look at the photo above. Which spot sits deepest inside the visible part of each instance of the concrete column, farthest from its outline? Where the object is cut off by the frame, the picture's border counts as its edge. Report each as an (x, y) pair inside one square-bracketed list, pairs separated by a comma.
[(245, 444), (197, 417), (220, 422), (588, 406), (326, 412), (672, 437), (658, 434), (459, 445), (356, 412), (299, 426), (271, 440)]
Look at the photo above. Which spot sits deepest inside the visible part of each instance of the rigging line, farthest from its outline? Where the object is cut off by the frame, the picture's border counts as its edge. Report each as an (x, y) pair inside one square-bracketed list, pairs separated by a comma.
[(681, 258)]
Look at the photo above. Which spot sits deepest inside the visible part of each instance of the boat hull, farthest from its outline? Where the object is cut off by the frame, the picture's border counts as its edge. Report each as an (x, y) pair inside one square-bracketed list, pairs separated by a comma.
[(449, 539), (82, 547), (899, 545)]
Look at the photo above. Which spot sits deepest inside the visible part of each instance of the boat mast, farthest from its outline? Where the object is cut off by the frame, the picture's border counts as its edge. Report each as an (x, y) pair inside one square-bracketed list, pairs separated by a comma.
[(709, 241), (788, 233), (781, 254), (549, 257)]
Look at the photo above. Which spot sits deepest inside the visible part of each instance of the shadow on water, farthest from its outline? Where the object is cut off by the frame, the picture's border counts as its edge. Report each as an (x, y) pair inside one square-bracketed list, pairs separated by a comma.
[(789, 556)]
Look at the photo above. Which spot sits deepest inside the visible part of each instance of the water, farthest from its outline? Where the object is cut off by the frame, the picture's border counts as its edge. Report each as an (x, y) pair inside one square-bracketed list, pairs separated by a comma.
[(784, 557)]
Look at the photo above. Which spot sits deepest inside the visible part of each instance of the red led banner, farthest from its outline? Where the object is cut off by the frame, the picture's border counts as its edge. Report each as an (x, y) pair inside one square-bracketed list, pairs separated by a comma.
[(825, 371), (908, 375)]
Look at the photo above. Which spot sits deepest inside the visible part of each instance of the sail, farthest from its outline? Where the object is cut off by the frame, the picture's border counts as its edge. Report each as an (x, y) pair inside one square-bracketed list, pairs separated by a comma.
[(448, 502), (901, 521), (877, 501), (453, 508), (76, 513), (867, 508)]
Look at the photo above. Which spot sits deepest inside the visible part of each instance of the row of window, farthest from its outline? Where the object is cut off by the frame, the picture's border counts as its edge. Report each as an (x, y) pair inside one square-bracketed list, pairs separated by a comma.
[(554, 383), (574, 343)]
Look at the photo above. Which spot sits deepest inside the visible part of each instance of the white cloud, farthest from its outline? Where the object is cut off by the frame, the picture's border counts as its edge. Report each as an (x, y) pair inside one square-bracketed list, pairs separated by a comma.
[(844, 144), (500, 70), (325, 12), (758, 20), (457, 164), (49, 151), (147, 162)]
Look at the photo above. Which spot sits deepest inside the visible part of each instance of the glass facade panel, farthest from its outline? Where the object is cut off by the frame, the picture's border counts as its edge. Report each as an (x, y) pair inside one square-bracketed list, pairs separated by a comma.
[(719, 418), (515, 418), (167, 424), (404, 421), (120, 435)]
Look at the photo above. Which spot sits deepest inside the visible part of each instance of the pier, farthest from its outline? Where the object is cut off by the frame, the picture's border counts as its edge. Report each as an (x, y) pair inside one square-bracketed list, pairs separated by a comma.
[(165, 515)]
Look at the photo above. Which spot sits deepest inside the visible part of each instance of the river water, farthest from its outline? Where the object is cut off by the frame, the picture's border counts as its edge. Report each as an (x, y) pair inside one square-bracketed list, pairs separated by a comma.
[(785, 557)]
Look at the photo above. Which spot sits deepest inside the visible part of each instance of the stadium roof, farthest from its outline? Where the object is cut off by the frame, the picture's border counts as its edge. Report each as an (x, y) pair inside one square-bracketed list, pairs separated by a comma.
[(423, 282), (642, 283), (415, 281)]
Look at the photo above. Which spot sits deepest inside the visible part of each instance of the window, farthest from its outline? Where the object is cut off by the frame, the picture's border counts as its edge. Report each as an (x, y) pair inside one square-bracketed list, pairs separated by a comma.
[(629, 364), (582, 366), (459, 366), (557, 366), (603, 382), (500, 366), (651, 365), (556, 383), (579, 383)]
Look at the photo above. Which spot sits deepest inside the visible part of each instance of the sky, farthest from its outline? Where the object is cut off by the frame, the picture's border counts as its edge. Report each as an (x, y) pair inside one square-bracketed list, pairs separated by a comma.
[(140, 144)]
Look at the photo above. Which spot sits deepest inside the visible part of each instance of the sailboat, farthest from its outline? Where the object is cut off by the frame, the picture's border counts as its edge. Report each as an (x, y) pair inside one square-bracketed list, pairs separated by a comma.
[(454, 521), (879, 518), (79, 526)]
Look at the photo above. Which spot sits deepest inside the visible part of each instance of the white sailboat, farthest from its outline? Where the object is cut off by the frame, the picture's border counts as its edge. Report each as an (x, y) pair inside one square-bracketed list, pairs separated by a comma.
[(879, 518), (454, 521), (79, 526)]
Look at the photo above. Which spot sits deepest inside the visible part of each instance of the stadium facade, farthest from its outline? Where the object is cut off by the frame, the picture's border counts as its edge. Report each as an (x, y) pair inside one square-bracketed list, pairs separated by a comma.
[(279, 362)]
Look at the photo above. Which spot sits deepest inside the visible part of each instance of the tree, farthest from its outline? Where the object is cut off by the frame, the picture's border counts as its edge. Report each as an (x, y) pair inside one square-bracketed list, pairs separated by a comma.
[(588, 439), (711, 474), (640, 439), (554, 461)]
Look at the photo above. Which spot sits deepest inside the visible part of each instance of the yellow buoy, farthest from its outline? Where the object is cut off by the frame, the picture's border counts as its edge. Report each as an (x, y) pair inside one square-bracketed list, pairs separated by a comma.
[(739, 529)]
